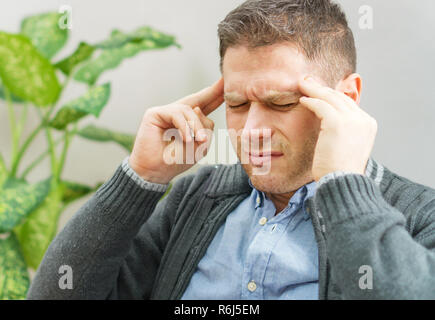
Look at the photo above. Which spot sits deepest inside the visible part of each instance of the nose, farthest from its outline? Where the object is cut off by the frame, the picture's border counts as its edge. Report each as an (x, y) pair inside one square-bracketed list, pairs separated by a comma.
[(257, 126)]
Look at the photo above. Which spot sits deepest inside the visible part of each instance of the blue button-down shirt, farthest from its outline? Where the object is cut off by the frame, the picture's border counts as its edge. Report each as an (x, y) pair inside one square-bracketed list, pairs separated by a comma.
[(259, 255)]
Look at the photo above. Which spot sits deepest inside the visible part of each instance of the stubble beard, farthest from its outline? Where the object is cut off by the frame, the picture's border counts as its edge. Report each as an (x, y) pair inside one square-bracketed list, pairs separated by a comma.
[(286, 175)]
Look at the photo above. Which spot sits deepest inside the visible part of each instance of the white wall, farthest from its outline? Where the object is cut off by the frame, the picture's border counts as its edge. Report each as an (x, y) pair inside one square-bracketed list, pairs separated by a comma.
[(395, 60)]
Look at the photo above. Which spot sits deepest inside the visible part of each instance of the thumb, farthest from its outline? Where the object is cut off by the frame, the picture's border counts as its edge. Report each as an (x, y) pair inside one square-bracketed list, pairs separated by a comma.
[(207, 98)]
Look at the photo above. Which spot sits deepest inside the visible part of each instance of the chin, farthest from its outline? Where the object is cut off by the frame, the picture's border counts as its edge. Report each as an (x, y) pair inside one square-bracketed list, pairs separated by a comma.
[(278, 180), (274, 181), (269, 184)]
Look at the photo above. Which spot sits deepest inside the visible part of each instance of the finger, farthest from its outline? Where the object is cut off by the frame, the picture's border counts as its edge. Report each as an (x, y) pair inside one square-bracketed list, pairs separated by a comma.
[(313, 89), (213, 106), (183, 125), (322, 109), (195, 123), (206, 97), (176, 119), (207, 122)]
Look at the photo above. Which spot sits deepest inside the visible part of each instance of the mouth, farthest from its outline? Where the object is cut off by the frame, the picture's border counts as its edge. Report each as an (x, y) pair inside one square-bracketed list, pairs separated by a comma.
[(259, 158)]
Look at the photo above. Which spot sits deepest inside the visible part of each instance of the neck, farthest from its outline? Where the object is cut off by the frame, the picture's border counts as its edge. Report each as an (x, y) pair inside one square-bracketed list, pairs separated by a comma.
[(280, 200)]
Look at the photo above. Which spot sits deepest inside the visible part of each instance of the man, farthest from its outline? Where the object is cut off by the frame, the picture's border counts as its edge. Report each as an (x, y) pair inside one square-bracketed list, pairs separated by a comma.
[(324, 221)]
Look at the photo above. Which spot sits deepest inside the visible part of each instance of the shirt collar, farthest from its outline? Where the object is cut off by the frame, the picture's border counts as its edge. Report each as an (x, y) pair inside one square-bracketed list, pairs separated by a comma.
[(298, 199)]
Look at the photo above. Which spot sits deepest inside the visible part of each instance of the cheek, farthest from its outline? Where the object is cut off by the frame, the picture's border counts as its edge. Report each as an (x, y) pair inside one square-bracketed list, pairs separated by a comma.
[(235, 123), (235, 120), (299, 124)]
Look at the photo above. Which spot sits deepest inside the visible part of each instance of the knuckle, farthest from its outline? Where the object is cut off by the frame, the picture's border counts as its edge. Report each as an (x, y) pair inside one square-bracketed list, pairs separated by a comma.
[(150, 112), (185, 107), (173, 106), (210, 122), (179, 109)]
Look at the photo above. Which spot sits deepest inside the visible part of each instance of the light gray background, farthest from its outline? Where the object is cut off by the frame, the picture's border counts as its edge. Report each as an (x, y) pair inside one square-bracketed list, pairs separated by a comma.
[(396, 61)]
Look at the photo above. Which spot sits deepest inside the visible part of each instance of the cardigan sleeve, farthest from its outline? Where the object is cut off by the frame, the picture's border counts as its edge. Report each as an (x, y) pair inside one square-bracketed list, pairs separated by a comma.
[(100, 244), (371, 252)]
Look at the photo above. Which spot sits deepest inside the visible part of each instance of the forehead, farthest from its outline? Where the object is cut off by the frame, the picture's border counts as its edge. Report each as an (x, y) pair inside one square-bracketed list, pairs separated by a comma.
[(275, 68)]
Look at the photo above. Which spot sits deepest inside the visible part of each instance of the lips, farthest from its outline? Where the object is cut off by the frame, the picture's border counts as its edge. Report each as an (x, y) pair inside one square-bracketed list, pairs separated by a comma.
[(265, 154), (259, 158)]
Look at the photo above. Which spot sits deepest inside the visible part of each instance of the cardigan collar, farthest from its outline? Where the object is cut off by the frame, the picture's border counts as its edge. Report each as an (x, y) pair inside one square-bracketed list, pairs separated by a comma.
[(233, 179)]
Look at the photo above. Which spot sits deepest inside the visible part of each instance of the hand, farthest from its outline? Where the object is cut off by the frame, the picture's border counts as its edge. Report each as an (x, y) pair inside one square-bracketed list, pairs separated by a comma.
[(347, 133), (187, 115)]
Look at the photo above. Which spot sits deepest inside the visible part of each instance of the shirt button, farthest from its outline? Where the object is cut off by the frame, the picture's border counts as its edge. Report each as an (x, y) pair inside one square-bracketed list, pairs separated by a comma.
[(252, 286), (262, 221)]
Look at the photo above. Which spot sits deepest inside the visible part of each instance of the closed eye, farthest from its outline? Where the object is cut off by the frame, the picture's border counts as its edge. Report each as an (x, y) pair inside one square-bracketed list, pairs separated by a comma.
[(284, 105), (273, 105), (240, 105)]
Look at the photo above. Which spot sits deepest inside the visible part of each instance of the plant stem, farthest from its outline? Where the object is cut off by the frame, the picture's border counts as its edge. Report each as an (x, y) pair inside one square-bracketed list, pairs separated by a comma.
[(29, 140), (11, 113), (26, 144), (23, 119), (38, 160), (51, 146), (68, 137), (64, 151), (16, 132)]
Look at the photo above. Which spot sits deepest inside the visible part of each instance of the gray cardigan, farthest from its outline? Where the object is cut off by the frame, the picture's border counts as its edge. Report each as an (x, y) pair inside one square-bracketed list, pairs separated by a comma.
[(125, 244)]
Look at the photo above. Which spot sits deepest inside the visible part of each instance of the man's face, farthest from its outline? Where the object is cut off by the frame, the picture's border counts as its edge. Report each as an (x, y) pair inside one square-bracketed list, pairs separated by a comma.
[(264, 80)]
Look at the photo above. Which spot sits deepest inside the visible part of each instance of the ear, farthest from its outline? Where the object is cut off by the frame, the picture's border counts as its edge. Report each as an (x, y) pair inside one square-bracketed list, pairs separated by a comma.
[(351, 86)]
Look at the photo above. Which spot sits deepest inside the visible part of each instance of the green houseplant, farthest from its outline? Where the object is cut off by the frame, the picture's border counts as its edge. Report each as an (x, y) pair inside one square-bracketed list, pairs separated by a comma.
[(29, 78)]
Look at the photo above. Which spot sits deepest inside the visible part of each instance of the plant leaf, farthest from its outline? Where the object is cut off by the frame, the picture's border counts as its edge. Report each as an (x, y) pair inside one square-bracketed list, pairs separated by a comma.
[(13, 97), (82, 53), (92, 132), (74, 191), (14, 183), (18, 199), (90, 103), (119, 38), (45, 33), (111, 58), (25, 72), (40, 227), (14, 278)]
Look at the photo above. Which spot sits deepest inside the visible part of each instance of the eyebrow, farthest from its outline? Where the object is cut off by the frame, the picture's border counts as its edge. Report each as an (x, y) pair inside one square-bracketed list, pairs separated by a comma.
[(272, 96)]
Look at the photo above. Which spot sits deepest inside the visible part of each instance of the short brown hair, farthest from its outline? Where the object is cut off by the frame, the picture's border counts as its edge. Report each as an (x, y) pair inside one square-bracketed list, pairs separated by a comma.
[(318, 28)]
